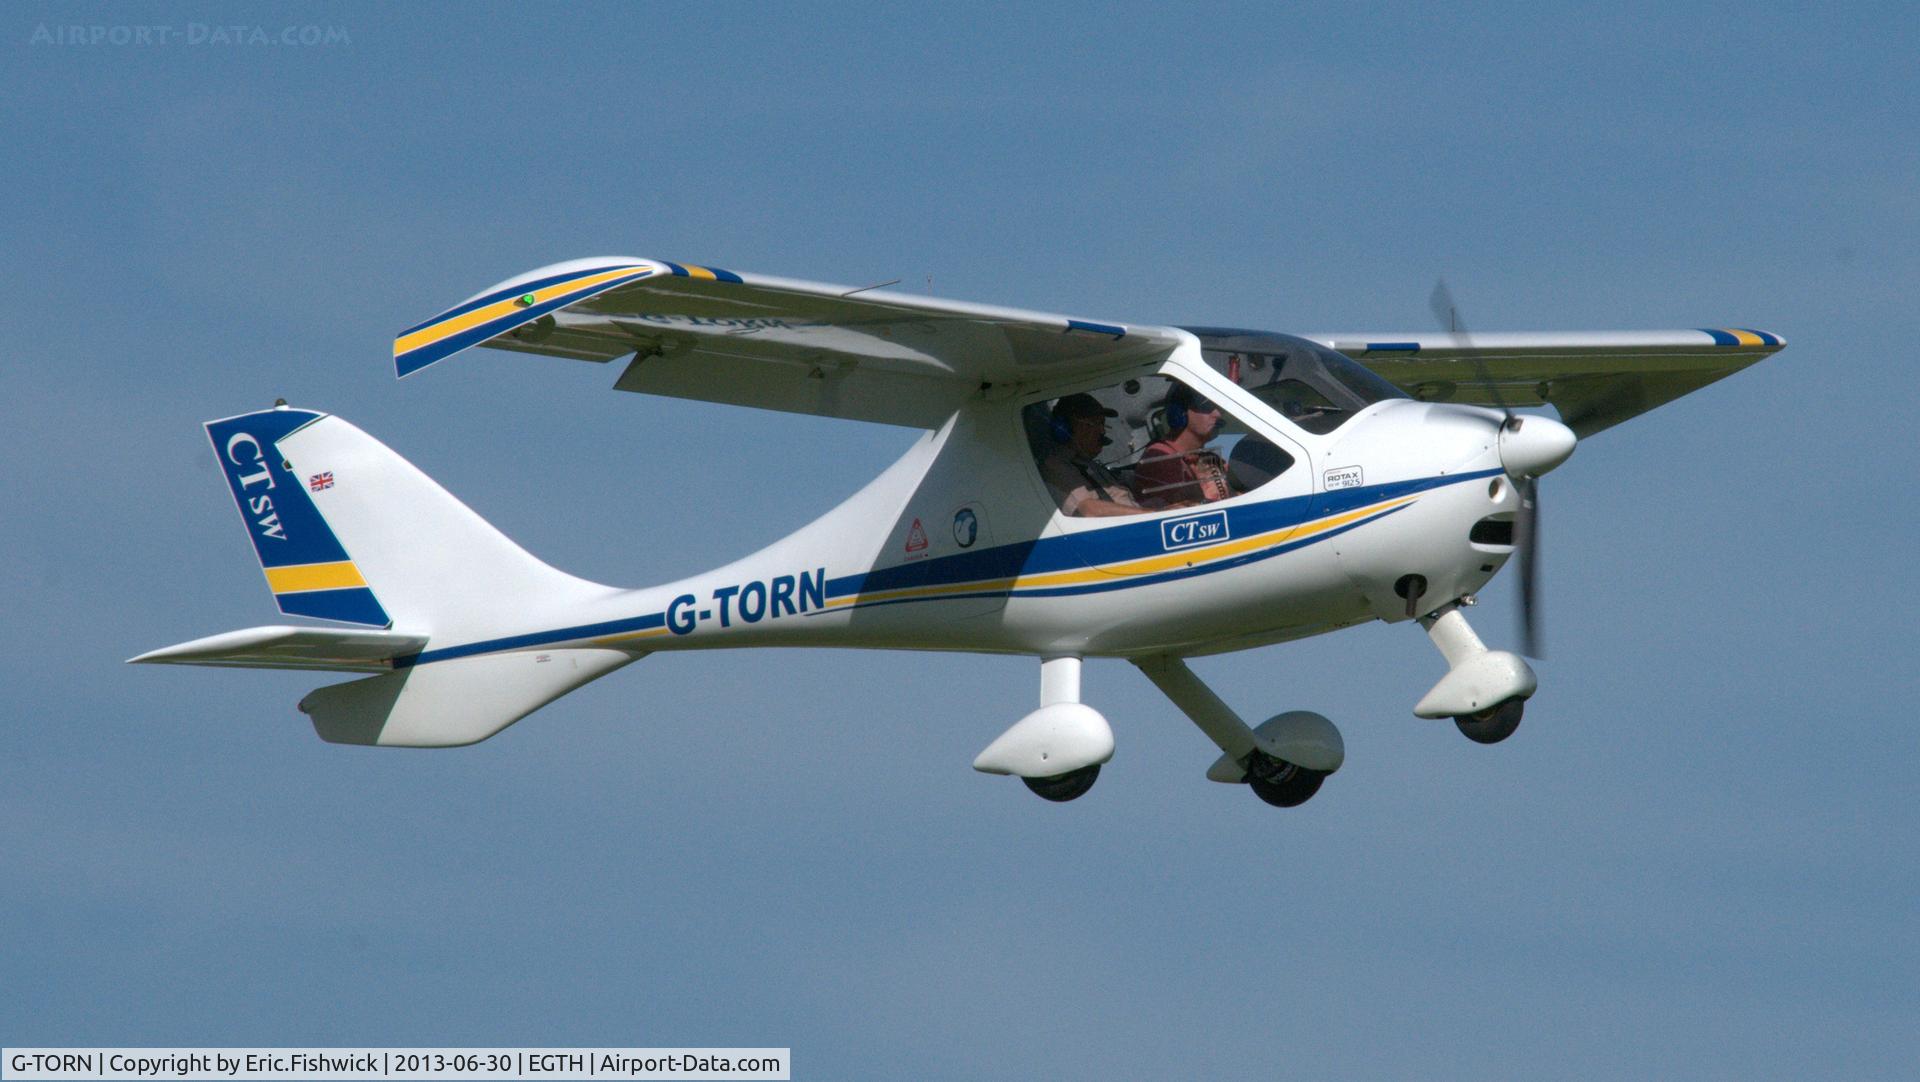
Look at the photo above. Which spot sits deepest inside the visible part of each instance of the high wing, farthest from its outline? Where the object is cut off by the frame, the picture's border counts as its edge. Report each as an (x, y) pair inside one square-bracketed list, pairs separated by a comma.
[(776, 343), (1593, 379)]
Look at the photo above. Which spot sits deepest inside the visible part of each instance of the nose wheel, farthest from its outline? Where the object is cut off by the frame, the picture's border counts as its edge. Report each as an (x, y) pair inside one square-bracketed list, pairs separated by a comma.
[(1061, 788), (1476, 676), (1494, 724)]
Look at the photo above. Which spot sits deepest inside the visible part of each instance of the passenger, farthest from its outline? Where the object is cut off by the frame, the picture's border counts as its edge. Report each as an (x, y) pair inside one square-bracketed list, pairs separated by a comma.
[(1083, 486), (1177, 470)]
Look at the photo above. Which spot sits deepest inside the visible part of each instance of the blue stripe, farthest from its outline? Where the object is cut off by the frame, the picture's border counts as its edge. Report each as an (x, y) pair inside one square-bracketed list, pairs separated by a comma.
[(503, 294), (1096, 328), (1128, 541), (1763, 336), (1720, 338), (537, 638), (1204, 569), (718, 274), (1393, 347), (715, 271), (1342, 500), (1118, 583), (355, 605)]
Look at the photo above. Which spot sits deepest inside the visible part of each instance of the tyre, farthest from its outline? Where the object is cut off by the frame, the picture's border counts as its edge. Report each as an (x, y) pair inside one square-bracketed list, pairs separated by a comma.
[(1287, 788), (1064, 787), (1494, 724)]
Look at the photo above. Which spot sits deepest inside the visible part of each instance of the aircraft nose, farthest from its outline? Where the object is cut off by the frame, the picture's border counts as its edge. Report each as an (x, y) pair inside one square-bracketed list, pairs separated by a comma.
[(1531, 445)]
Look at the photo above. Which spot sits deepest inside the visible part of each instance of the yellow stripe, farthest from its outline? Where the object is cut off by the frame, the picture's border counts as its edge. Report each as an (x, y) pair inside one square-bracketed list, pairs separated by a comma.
[(1152, 564), (699, 272), (1746, 338), (954, 588), (427, 336), (335, 576), (647, 634), (1143, 566)]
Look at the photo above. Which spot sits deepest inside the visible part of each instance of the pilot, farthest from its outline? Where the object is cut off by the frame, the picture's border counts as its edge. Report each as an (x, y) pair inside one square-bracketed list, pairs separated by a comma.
[(1081, 484), (1177, 470)]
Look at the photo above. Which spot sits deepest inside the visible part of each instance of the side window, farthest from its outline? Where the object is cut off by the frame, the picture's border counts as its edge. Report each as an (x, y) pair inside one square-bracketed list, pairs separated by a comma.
[(1142, 445), (1303, 405), (1311, 386)]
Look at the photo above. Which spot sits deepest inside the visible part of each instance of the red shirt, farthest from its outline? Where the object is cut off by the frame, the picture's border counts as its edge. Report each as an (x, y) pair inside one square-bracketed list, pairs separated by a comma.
[(1167, 475)]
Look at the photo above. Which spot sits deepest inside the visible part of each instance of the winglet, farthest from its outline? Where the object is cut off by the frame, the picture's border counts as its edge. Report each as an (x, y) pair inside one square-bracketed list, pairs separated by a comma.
[(513, 303)]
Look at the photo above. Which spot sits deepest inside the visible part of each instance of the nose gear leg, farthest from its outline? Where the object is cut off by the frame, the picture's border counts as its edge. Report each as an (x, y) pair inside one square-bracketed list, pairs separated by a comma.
[(1478, 680)]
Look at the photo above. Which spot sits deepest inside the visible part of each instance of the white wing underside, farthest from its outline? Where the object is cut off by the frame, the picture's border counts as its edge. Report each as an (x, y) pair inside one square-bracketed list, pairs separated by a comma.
[(864, 354), (1593, 379)]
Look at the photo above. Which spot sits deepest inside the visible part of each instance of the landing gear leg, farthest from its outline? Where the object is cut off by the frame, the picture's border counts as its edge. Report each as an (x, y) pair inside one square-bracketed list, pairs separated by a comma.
[(1484, 691), (1283, 761)]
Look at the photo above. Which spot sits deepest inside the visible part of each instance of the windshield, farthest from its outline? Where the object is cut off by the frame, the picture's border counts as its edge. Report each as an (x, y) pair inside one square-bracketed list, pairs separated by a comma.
[(1314, 387)]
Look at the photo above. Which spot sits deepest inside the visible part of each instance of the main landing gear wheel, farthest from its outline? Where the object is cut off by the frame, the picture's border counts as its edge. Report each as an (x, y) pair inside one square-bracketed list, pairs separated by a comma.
[(1060, 788), (1282, 784), (1494, 724)]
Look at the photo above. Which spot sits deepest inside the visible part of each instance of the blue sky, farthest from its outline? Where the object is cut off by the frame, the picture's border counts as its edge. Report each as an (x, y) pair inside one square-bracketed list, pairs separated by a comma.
[(1697, 858)]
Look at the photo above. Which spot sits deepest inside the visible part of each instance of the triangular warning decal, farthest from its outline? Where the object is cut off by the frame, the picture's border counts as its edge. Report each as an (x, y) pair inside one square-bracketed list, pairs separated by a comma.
[(916, 538)]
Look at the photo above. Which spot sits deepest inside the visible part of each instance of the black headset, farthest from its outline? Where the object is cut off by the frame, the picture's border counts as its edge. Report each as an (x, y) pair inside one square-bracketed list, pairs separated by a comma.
[(1176, 416)]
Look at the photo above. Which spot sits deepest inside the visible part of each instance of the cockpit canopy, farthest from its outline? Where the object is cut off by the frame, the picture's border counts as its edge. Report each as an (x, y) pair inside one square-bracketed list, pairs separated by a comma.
[(1314, 387)]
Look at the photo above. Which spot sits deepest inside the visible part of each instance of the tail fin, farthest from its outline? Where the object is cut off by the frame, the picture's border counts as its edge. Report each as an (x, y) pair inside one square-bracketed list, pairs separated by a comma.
[(348, 530)]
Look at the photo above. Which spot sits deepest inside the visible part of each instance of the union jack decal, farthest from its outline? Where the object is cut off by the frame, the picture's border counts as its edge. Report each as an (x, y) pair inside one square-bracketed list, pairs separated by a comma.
[(320, 481)]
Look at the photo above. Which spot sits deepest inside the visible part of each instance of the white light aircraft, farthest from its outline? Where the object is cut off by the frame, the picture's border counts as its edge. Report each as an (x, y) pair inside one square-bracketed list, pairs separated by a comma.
[(1083, 489)]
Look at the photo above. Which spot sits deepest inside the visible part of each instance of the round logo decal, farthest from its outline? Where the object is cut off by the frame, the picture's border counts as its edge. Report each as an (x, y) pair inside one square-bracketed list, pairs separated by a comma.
[(966, 526)]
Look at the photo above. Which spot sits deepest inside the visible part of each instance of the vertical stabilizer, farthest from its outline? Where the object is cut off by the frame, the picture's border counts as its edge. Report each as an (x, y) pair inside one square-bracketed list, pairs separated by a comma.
[(348, 530)]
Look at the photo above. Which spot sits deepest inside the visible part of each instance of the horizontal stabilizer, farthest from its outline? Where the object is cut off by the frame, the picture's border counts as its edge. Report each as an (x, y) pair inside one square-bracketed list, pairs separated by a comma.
[(327, 648), (452, 702)]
